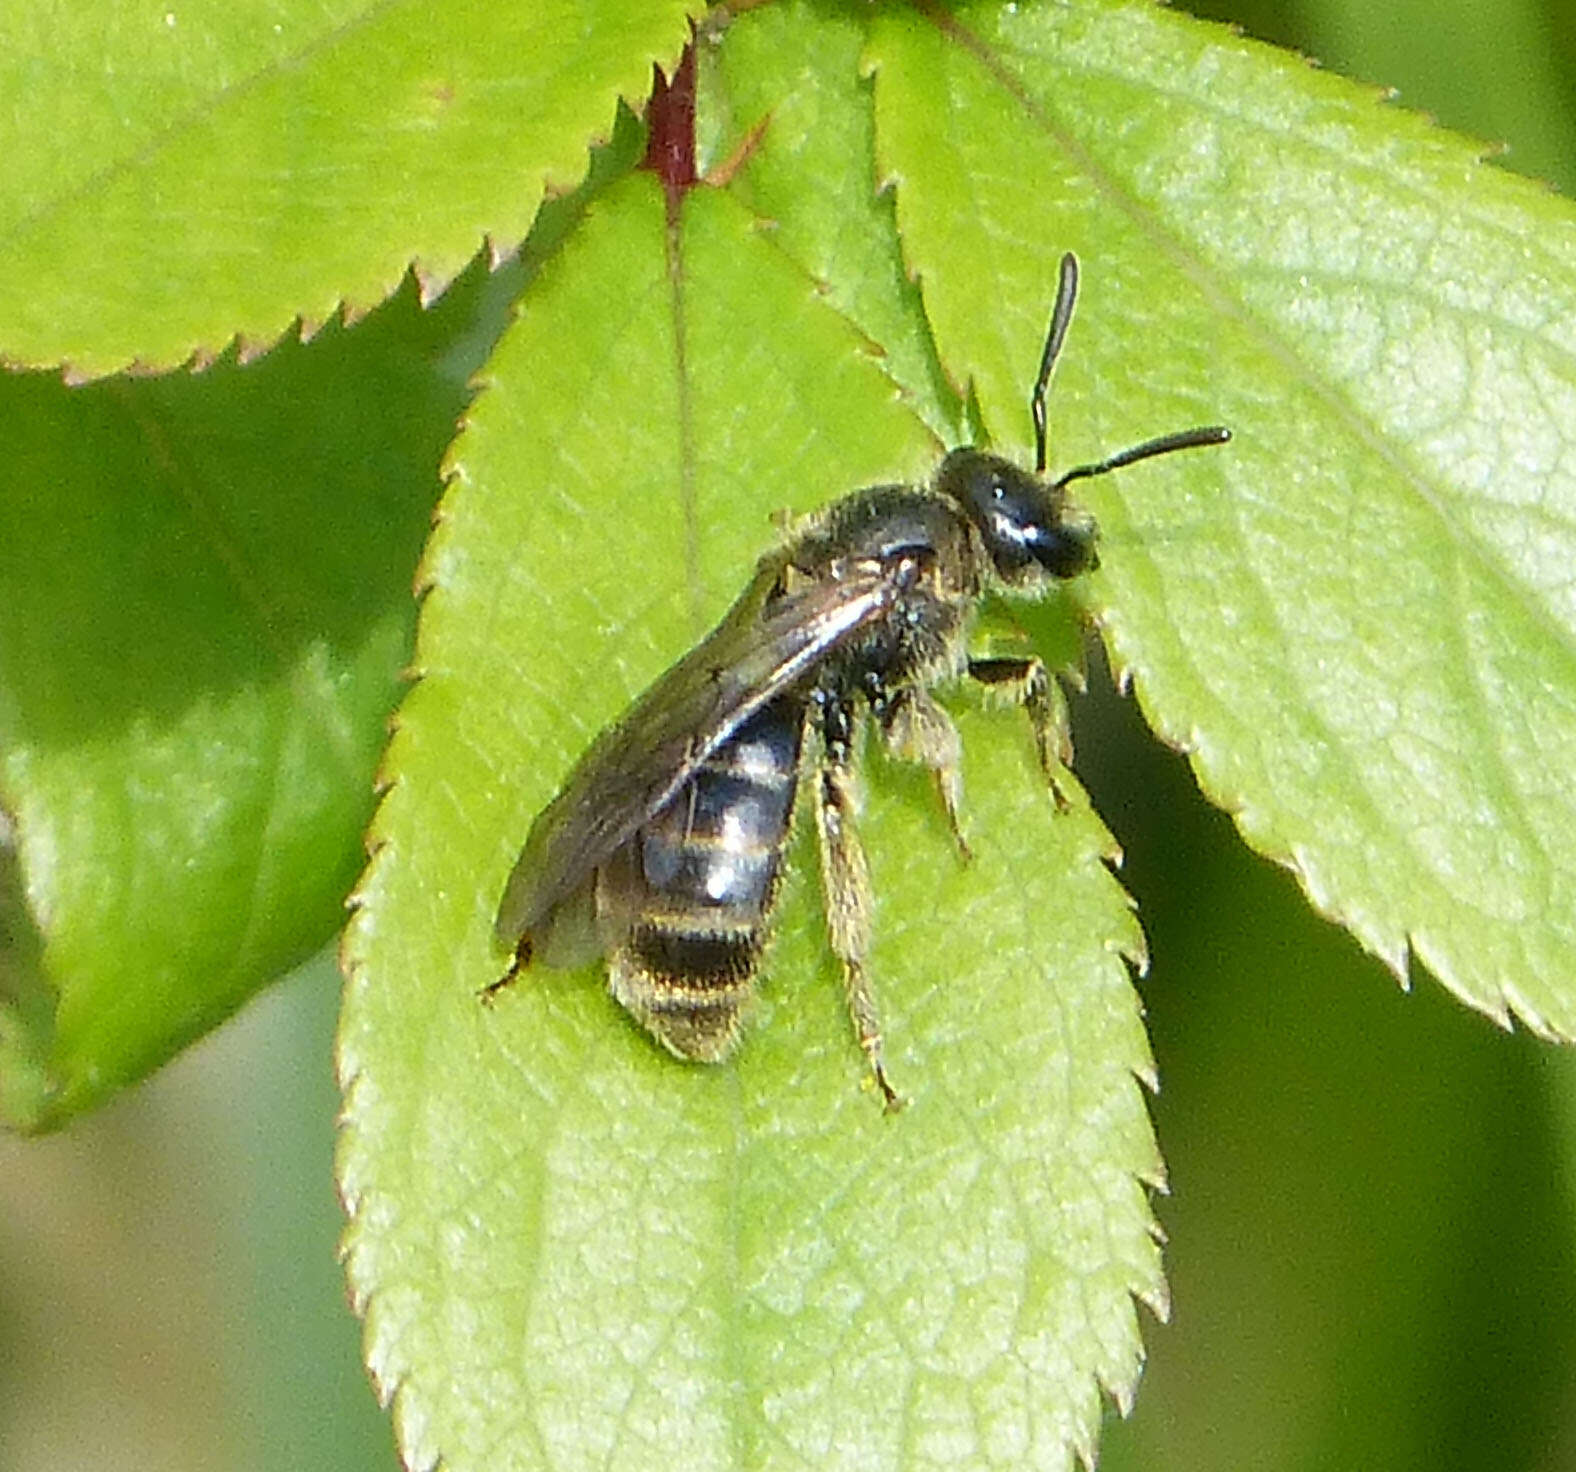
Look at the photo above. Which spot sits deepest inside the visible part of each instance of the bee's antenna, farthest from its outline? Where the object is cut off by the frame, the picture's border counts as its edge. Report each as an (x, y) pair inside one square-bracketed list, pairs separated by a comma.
[(1061, 315), (1186, 439)]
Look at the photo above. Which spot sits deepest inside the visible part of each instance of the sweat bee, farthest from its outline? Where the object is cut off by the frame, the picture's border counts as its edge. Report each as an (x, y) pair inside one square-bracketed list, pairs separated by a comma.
[(662, 850)]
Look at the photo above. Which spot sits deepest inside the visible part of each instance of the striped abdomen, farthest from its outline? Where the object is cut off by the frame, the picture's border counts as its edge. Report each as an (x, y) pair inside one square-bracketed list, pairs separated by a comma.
[(696, 884)]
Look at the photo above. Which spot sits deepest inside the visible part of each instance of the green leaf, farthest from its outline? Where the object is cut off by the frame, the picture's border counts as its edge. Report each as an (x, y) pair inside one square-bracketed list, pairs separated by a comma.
[(1492, 72), (232, 167), (204, 611), (1358, 619), (572, 1249), (562, 1239)]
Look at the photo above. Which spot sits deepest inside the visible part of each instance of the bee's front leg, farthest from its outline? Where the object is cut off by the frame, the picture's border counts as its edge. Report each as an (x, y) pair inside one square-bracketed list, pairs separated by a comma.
[(845, 879), (1024, 681)]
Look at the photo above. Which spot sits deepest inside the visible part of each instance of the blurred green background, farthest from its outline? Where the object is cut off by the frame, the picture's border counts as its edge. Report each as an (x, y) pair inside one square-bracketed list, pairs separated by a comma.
[(1371, 1246)]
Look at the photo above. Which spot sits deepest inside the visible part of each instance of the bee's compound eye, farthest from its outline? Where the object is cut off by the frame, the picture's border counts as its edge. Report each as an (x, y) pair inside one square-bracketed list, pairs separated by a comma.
[(1065, 550)]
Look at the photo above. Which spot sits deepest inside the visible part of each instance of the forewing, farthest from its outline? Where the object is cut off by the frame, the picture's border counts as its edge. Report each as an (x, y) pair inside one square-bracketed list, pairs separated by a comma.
[(636, 766)]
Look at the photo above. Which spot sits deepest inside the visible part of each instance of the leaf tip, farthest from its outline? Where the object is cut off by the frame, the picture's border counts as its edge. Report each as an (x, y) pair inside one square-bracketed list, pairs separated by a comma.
[(248, 348), (433, 282), (1157, 1297)]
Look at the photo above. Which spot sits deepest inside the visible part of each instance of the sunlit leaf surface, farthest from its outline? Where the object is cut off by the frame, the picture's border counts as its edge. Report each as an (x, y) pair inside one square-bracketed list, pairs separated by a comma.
[(570, 1245), (1362, 620), (180, 175), (1354, 617)]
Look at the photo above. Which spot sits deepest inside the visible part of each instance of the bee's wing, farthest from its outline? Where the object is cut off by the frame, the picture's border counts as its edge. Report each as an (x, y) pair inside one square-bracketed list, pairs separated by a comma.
[(636, 766)]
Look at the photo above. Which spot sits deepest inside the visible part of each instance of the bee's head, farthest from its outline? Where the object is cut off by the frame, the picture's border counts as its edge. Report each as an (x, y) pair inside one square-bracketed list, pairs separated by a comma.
[(1021, 518)]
